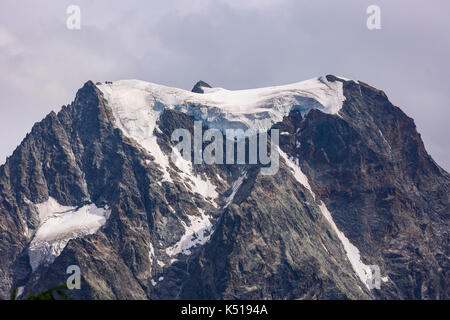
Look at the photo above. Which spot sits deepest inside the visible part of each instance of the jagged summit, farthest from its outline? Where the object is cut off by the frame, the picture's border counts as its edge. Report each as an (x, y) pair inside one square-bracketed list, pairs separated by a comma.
[(198, 88)]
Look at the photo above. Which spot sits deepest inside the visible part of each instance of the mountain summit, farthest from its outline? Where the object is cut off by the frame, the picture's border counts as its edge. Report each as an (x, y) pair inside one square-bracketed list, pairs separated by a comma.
[(100, 185), (198, 88)]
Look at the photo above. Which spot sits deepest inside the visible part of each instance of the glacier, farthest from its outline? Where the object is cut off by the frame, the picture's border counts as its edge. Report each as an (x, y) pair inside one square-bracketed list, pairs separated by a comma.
[(58, 225), (218, 107)]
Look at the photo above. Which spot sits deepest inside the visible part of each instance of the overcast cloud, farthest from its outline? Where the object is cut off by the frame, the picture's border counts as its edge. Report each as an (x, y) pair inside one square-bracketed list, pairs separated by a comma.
[(234, 44)]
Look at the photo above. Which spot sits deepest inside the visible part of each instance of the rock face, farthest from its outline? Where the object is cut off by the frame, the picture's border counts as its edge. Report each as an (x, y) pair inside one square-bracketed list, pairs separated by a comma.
[(355, 188), (199, 85)]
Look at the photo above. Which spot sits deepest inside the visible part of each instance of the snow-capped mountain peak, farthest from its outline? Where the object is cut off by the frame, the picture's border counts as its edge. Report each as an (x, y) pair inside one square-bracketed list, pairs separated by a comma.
[(255, 108), (97, 185)]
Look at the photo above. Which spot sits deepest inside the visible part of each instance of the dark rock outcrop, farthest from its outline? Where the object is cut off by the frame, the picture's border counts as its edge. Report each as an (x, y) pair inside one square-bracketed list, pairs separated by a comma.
[(199, 85)]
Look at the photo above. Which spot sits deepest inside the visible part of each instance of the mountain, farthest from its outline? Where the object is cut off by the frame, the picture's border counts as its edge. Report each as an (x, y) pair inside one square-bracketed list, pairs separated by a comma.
[(101, 185)]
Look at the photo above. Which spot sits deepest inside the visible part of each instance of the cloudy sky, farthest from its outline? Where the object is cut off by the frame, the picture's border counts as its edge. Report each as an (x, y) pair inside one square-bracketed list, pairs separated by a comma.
[(234, 44)]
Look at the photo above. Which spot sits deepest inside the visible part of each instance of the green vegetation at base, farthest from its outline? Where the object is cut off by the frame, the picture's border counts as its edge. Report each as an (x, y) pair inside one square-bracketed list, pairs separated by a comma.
[(54, 293)]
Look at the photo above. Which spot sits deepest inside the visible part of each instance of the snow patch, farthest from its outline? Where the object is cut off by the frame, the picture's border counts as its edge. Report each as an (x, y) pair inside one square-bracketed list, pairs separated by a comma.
[(194, 182), (50, 207), (58, 225), (151, 253), (220, 178), (160, 263), (347, 79), (20, 291), (295, 167), (196, 233), (235, 187), (363, 271)]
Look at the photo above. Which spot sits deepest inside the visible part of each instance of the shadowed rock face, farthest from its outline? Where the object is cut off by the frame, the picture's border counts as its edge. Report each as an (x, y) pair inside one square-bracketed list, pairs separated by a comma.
[(385, 192), (368, 166)]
